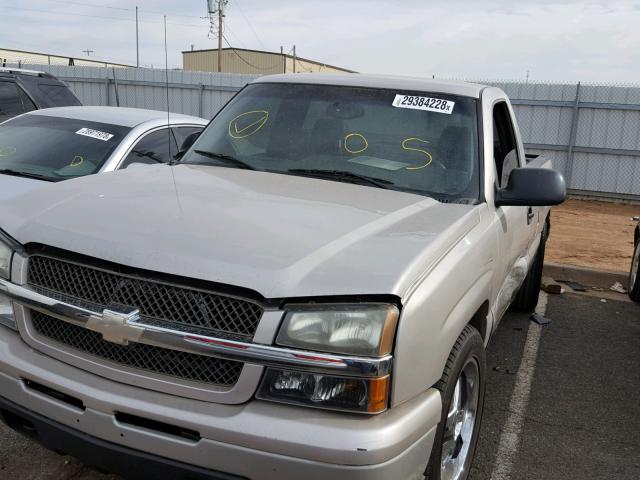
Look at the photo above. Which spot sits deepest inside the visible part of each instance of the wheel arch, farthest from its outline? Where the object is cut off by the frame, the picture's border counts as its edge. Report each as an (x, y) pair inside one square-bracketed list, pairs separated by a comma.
[(426, 338), (480, 321)]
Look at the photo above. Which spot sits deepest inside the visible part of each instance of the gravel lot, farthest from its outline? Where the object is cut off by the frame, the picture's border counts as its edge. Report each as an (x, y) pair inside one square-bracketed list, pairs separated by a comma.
[(592, 234), (582, 420)]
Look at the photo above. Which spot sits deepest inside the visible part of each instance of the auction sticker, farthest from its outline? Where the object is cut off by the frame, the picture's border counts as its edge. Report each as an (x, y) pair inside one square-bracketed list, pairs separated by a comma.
[(97, 134), (423, 103)]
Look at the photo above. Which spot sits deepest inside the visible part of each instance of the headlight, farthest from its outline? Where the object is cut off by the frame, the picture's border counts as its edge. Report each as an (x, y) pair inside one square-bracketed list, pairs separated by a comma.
[(5, 260), (359, 329), (329, 392), (363, 330), (6, 313), (6, 306)]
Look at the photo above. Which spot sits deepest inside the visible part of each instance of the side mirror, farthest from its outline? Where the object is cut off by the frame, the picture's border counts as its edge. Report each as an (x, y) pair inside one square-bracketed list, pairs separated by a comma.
[(532, 187), (186, 145)]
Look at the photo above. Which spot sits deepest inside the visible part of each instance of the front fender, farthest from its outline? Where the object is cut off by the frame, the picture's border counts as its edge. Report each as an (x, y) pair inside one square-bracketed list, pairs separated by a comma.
[(437, 311)]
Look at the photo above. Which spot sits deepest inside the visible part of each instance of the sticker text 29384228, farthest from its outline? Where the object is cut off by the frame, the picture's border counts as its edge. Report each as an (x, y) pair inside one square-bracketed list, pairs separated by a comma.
[(423, 103)]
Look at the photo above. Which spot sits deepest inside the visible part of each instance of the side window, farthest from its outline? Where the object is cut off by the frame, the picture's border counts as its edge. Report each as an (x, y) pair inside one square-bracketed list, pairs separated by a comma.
[(182, 133), (58, 95), (505, 149), (26, 101), (152, 149), (10, 103)]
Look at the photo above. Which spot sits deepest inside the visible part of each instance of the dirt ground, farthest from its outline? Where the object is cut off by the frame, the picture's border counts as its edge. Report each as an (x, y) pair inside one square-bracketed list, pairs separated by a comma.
[(592, 234)]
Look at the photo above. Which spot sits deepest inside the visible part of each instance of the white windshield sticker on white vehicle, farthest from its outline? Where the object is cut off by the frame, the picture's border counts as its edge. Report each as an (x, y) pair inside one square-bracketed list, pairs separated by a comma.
[(97, 134), (423, 103)]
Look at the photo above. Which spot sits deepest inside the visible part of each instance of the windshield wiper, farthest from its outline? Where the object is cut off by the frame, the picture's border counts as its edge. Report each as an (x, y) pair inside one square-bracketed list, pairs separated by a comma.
[(225, 158), (342, 175), (17, 173)]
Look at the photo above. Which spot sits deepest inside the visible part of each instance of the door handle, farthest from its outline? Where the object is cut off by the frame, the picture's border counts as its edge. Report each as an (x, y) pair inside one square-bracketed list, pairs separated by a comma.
[(530, 215)]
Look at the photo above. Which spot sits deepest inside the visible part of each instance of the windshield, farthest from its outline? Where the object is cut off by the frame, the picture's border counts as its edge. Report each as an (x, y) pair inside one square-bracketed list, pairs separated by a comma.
[(56, 148), (423, 142)]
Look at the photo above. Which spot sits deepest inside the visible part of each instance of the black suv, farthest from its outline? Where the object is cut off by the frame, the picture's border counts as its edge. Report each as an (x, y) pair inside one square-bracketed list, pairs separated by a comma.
[(25, 90)]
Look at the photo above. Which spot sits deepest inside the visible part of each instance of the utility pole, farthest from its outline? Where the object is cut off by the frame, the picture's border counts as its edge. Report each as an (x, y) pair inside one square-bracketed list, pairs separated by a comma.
[(220, 24), (284, 59), (88, 52), (137, 41), (294, 59)]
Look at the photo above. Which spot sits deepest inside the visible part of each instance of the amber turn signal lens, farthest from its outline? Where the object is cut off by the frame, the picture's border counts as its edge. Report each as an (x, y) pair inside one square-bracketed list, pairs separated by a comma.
[(349, 394), (378, 394)]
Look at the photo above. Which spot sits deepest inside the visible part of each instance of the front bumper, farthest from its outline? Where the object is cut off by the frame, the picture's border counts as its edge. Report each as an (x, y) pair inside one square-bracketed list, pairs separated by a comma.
[(98, 453), (256, 440)]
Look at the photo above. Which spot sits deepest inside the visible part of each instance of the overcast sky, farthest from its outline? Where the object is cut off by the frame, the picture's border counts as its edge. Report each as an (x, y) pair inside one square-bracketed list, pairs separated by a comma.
[(565, 40)]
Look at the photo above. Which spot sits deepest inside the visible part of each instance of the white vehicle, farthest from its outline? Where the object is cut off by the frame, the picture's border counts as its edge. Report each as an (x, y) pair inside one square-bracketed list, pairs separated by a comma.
[(67, 142), (307, 295)]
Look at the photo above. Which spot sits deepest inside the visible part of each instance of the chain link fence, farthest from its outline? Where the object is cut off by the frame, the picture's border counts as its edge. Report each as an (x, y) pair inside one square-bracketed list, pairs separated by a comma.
[(590, 131), (193, 93)]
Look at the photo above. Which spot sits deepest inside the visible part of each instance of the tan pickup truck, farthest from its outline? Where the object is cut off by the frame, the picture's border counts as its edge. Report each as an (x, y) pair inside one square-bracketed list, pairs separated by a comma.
[(307, 294)]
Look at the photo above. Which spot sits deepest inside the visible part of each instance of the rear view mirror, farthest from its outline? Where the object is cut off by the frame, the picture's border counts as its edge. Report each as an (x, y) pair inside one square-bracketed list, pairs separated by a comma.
[(186, 145), (532, 187)]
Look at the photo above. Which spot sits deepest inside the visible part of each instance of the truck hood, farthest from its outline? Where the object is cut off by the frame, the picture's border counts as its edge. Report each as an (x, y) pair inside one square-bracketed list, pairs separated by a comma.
[(12, 186), (280, 235)]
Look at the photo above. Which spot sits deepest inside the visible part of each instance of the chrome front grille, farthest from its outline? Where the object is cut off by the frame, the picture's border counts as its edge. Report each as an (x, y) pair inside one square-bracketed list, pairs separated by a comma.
[(171, 305), (173, 363)]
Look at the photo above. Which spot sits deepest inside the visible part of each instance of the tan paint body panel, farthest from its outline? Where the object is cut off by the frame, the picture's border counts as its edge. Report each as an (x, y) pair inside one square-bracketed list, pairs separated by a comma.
[(316, 238)]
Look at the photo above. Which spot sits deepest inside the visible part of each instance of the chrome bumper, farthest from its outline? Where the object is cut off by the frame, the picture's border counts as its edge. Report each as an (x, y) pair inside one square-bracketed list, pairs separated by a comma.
[(122, 328), (253, 440)]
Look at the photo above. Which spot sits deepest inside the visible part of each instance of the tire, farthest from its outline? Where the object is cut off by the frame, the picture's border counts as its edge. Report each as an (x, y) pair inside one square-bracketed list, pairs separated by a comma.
[(527, 297), (634, 276), (466, 363)]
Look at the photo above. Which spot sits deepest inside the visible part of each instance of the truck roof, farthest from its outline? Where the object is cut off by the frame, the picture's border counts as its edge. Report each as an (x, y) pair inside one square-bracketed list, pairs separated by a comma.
[(400, 83), (127, 117)]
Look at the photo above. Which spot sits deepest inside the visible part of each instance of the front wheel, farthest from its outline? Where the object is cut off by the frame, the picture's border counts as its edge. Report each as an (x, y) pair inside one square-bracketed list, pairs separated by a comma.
[(462, 387), (634, 276)]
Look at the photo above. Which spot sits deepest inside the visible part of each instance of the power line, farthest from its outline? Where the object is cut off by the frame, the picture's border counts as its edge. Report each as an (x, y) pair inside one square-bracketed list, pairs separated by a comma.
[(102, 17), (249, 23), (246, 61), (110, 7), (235, 37)]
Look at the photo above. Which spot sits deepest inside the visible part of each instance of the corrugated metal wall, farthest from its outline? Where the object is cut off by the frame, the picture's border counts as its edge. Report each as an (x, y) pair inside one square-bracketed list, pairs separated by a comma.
[(246, 62), (251, 62), (591, 132), (193, 93)]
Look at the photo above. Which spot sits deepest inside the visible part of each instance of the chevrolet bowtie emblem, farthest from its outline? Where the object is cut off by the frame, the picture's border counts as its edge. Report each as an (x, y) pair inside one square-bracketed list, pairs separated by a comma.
[(117, 327)]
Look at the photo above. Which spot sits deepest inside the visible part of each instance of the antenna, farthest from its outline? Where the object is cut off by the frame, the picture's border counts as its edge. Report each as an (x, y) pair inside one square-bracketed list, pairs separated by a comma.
[(166, 81)]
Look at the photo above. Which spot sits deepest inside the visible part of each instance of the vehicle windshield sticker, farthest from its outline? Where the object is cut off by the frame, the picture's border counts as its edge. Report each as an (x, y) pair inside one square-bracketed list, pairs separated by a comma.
[(379, 163), (97, 134), (424, 103)]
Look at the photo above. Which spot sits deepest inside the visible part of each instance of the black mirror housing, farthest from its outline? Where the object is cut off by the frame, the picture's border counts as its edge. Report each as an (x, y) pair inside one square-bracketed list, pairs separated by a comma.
[(186, 145), (532, 187)]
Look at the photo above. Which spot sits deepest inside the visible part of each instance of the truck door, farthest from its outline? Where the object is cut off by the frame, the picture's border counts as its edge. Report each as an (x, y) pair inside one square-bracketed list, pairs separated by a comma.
[(517, 223)]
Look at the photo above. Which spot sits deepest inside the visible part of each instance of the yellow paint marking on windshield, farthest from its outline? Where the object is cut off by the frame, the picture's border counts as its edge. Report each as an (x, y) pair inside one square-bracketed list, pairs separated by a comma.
[(261, 117), (77, 161), (357, 135), (429, 157), (6, 151)]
